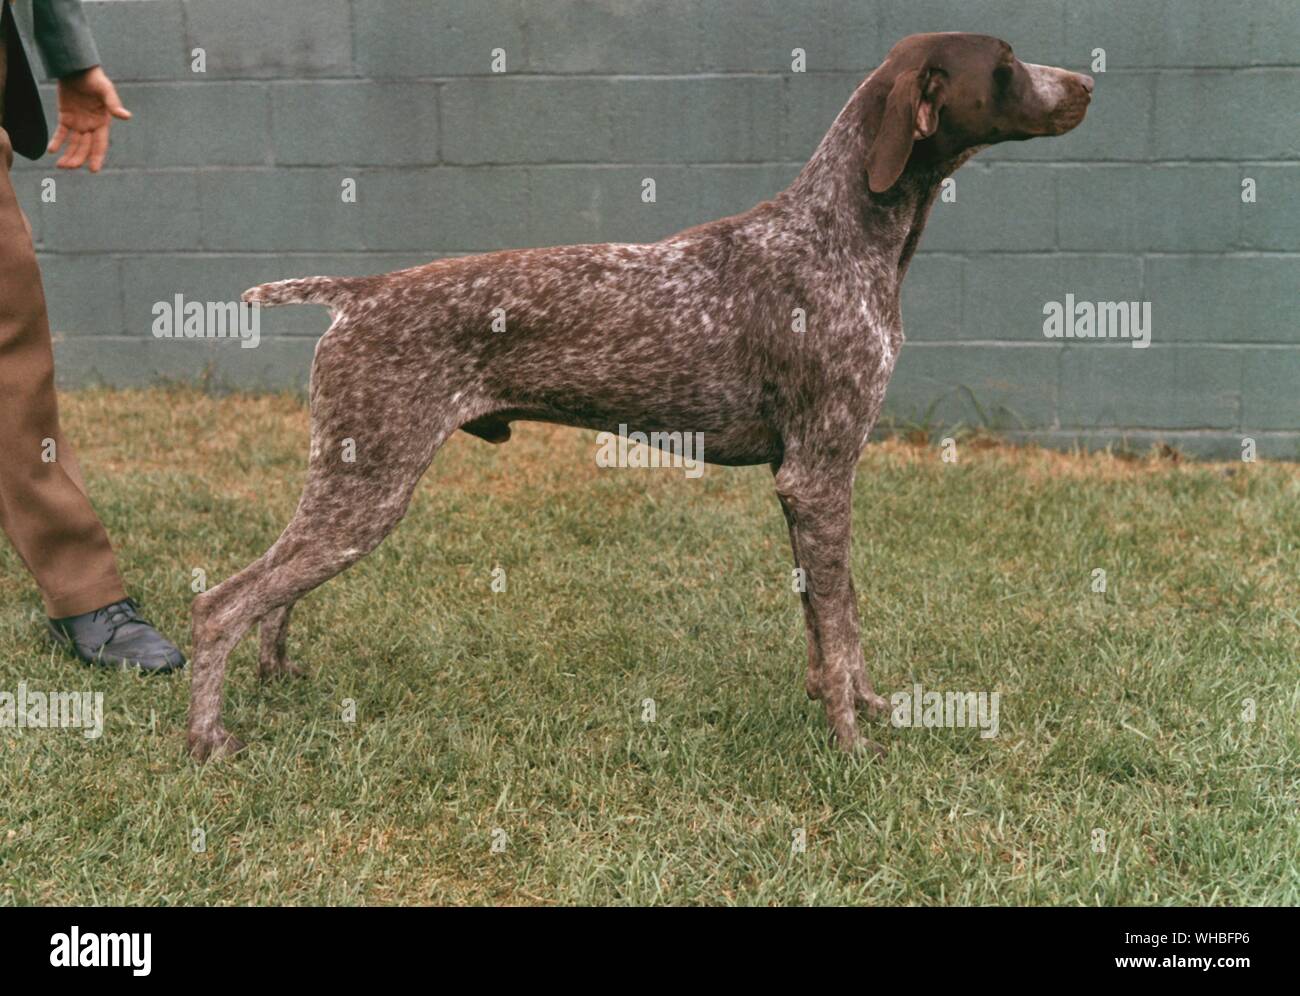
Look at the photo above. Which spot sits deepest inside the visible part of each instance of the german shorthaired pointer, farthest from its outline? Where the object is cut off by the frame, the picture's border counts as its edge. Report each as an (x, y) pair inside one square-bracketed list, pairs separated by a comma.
[(691, 334)]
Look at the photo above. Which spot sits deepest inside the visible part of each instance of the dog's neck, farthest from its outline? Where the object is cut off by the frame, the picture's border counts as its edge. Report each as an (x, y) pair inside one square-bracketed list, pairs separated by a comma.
[(833, 186)]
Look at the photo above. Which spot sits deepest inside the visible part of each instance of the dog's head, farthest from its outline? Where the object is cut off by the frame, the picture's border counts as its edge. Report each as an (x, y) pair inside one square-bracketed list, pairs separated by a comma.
[(936, 96)]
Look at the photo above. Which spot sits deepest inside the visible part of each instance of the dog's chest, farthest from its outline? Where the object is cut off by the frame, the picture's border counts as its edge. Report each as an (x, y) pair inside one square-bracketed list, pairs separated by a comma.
[(862, 321), (859, 336)]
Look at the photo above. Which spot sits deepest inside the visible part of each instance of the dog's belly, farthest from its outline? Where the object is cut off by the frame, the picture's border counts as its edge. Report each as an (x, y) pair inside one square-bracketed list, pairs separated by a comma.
[(738, 444)]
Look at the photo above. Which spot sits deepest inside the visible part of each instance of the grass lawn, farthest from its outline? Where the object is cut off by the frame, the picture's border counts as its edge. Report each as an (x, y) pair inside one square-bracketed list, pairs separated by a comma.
[(521, 713)]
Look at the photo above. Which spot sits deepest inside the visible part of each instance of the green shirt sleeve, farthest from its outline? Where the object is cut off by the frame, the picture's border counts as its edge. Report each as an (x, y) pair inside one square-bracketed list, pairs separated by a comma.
[(63, 37)]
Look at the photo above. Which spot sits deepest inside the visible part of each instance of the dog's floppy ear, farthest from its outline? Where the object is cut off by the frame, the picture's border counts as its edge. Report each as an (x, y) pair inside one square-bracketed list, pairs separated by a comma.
[(911, 113)]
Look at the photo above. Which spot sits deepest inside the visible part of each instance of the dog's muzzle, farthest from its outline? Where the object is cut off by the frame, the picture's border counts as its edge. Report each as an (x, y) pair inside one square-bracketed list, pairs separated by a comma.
[(1063, 95)]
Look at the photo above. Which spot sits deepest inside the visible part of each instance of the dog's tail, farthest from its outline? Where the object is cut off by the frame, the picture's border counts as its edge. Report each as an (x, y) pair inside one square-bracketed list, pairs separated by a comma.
[(333, 291)]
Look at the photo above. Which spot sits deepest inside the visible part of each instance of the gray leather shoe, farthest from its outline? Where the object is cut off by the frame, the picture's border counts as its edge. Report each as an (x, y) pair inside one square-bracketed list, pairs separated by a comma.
[(116, 636)]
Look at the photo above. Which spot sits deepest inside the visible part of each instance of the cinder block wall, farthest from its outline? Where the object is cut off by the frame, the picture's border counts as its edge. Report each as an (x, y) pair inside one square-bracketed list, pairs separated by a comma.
[(232, 177)]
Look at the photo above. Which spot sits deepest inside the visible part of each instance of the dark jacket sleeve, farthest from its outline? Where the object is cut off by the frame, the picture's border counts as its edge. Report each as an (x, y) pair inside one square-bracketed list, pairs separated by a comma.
[(63, 37)]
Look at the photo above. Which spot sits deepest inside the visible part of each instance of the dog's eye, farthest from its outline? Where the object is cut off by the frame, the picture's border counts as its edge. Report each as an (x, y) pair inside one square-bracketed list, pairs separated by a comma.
[(1002, 75)]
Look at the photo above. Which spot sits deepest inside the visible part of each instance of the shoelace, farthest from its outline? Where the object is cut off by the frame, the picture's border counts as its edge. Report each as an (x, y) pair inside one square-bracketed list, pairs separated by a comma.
[(119, 614)]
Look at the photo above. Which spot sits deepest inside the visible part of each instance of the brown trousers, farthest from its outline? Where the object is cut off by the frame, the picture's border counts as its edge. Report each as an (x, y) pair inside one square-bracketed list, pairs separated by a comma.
[(44, 508)]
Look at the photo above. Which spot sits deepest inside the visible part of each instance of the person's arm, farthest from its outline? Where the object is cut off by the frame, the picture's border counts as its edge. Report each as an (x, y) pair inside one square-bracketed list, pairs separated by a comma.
[(88, 101), (63, 37)]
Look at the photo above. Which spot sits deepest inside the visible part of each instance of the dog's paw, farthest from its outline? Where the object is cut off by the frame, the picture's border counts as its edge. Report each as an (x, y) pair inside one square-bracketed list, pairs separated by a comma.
[(218, 744), (860, 746), (845, 736)]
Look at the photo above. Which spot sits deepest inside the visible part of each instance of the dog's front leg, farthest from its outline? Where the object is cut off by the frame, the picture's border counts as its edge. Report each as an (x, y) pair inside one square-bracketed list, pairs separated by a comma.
[(812, 682), (863, 691), (818, 504)]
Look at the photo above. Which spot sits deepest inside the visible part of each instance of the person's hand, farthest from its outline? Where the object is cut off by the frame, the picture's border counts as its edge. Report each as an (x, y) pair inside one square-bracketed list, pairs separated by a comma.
[(88, 102)]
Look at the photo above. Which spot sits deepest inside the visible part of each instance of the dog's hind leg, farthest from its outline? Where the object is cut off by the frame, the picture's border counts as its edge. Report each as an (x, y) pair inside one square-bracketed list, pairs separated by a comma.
[(272, 657), (374, 431), (341, 517)]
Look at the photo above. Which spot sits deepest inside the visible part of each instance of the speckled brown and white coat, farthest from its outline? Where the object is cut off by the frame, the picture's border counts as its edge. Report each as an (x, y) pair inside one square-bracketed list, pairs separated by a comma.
[(695, 333)]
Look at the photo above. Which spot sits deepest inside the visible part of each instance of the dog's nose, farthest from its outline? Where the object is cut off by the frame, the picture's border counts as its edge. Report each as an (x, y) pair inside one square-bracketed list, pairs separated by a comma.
[(1087, 81)]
